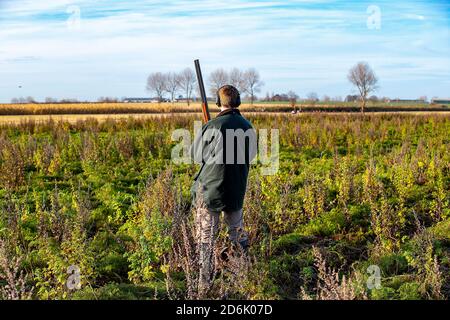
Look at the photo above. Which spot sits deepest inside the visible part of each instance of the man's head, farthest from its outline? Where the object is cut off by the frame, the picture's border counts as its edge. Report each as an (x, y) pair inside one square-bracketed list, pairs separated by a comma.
[(228, 97)]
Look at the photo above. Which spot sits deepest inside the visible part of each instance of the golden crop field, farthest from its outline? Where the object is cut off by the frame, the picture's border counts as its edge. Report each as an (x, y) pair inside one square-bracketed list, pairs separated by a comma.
[(111, 108), (92, 108), (145, 108)]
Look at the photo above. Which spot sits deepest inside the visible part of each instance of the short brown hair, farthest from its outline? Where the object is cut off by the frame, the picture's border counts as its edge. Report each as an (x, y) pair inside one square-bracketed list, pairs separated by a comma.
[(229, 96)]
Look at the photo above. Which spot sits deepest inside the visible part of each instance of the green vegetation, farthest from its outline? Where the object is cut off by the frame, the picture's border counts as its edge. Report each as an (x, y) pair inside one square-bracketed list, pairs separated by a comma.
[(352, 192)]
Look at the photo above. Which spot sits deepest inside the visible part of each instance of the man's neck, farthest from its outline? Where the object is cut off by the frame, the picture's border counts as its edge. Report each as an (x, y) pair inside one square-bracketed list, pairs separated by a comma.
[(224, 111)]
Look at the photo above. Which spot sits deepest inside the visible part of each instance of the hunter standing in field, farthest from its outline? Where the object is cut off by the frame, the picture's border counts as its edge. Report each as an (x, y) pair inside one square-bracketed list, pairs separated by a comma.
[(224, 149)]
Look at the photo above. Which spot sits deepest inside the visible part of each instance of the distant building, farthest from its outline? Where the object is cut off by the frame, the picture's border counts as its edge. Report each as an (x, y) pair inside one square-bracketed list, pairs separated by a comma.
[(141, 100), (413, 101), (280, 97), (183, 99), (351, 98), (440, 101)]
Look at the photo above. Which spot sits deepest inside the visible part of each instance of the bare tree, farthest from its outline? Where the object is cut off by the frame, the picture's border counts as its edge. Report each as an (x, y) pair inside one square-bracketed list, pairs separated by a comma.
[(373, 98), (107, 100), (30, 99), (252, 83), (351, 98), (68, 100), (293, 100), (363, 77), (217, 79), (157, 83), (50, 100), (237, 79), (172, 85), (187, 81), (312, 96)]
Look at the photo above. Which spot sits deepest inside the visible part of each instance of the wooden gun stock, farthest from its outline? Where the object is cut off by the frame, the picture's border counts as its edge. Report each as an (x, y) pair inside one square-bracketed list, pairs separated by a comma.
[(205, 110)]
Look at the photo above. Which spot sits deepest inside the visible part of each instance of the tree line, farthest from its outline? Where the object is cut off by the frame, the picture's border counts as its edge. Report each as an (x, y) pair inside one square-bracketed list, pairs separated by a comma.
[(248, 82), (50, 100), (172, 83), (361, 76)]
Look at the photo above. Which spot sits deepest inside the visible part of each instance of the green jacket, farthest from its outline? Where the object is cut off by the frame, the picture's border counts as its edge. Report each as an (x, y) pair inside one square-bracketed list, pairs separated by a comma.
[(223, 174)]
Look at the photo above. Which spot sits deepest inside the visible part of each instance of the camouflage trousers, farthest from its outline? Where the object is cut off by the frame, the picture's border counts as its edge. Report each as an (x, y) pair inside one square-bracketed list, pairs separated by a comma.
[(208, 224), (207, 229)]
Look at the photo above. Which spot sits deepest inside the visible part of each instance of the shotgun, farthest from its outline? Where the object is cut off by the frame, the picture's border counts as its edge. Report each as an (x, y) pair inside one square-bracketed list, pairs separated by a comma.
[(205, 110)]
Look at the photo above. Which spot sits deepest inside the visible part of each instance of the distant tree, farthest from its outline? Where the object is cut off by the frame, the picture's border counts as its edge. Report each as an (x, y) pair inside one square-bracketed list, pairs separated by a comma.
[(172, 84), (108, 100), (187, 81), (14, 100), (351, 98), (293, 100), (50, 100), (312, 97), (252, 83), (68, 100), (217, 79), (373, 98), (157, 83), (337, 99), (364, 79), (30, 100), (326, 98), (236, 79)]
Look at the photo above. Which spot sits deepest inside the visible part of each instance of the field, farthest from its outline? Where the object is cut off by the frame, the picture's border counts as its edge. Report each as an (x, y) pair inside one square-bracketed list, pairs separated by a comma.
[(151, 108), (354, 196)]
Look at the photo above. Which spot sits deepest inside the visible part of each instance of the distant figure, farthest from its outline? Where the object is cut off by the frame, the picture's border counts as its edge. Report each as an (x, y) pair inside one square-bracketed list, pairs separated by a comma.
[(225, 149)]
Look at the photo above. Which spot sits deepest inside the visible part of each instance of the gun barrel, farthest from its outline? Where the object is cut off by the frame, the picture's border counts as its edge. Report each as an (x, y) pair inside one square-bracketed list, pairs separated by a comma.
[(205, 110)]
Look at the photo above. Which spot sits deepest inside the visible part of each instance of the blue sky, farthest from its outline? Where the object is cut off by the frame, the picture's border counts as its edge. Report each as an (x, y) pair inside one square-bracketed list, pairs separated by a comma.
[(297, 45)]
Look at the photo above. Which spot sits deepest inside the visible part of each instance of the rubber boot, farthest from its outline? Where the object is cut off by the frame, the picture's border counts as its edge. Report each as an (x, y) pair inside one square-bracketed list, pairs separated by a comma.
[(244, 245)]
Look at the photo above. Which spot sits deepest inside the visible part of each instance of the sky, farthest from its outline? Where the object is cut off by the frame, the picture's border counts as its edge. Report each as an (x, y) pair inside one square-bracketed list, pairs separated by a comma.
[(90, 48)]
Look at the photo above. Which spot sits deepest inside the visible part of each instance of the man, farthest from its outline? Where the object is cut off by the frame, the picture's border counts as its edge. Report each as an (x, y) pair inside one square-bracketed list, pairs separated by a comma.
[(225, 148)]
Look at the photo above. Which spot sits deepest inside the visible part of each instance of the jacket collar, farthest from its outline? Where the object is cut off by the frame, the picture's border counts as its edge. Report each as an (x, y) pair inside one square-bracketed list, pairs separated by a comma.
[(229, 111)]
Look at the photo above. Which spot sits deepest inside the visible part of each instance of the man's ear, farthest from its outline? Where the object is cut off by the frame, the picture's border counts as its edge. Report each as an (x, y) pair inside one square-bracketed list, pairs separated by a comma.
[(238, 101)]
